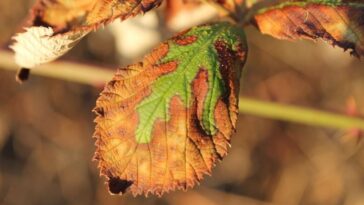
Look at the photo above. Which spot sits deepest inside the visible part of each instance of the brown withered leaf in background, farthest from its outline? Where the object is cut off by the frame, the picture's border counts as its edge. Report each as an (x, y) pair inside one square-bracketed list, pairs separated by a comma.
[(339, 22), (64, 16), (164, 122), (54, 27)]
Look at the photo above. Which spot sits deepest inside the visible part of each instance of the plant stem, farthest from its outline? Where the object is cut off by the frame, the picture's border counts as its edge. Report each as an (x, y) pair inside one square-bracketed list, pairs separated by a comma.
[(298, 114), (75, 72), (93, 75)]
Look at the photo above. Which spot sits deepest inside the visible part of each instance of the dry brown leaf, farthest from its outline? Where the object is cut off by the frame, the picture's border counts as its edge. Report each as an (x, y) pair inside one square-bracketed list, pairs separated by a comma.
[(341, 22), (55, 26)]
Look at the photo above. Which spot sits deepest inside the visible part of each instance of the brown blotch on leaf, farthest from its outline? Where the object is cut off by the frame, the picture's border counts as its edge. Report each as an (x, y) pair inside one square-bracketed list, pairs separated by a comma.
[(229, 59), (118, 186), (226, 59), (185, 40), (200, 88), (158, 53)]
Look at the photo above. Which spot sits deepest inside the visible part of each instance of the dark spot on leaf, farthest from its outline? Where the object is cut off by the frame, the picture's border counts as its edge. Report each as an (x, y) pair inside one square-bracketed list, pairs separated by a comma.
[(226, 60), (119, 186), (22, 75), (38, 21)]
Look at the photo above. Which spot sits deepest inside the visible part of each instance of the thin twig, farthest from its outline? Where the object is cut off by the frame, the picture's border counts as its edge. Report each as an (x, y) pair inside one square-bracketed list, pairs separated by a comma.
[(70, 71), (93, 75), (298, 114)]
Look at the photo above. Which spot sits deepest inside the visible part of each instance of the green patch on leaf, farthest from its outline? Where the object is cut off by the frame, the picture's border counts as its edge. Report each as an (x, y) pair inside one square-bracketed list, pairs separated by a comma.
[(190, 57)]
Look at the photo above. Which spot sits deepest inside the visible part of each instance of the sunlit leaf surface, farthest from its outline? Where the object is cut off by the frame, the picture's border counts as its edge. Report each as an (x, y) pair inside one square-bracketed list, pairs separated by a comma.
[(162, 123)]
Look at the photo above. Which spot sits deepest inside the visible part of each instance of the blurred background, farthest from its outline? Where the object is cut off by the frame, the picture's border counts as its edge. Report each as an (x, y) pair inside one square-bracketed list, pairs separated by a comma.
[(46, 124)]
